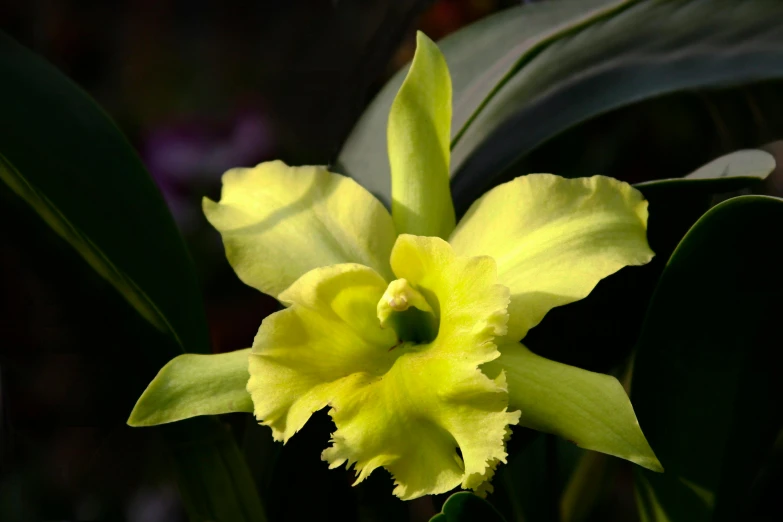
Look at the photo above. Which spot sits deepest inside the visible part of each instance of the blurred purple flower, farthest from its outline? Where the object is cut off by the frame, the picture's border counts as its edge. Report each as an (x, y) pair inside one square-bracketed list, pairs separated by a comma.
[(185, 158)]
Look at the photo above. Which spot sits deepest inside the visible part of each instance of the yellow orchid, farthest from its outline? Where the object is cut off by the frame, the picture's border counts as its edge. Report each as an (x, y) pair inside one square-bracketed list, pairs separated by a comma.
[(406, 325)]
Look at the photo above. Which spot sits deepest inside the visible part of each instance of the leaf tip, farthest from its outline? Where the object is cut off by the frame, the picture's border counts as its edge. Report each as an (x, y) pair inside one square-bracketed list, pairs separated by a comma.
[(649, 462), (422, 38), (138, 419)]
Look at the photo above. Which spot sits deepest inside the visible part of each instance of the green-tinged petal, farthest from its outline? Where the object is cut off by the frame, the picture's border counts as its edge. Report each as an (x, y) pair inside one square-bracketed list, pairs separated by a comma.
[(305, 355), (418, 138), (404, 406), (279, 222), (485, 487), (554, 239), (191, 385), (434, 399), (590, 409)]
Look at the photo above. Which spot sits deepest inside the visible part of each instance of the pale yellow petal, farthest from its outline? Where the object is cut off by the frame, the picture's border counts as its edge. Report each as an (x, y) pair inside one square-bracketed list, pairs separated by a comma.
[(305, 355), (434, 399), (194, 384), (279, 222), (590, 409), (554, 239), (425, 412), (418, 140)]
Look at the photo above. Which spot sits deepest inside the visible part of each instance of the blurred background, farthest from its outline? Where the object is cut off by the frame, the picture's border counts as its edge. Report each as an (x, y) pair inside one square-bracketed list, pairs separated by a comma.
[(198, 87), (201, 86)]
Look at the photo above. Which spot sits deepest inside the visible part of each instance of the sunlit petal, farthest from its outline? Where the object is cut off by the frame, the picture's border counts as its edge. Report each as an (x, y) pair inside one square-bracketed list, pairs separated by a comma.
[(279, 222), (554, 239)]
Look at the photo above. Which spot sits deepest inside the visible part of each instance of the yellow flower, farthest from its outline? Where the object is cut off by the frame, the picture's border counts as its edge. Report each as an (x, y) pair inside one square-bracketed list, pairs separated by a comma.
[(405, 325)]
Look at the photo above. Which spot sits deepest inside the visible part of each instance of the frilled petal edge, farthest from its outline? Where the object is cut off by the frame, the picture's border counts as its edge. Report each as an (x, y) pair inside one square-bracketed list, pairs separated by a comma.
[(403, 406)]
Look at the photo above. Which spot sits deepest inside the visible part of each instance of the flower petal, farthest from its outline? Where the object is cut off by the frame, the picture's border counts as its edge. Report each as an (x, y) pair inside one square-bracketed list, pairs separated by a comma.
[(434, 399), (554, 239), (279, 222), (406, 407), (590, 409), (418, 139), (193, 384), (329, 337)]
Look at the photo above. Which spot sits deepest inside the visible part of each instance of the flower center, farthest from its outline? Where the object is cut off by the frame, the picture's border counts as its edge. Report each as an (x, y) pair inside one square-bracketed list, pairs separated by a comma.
[(406, 310)]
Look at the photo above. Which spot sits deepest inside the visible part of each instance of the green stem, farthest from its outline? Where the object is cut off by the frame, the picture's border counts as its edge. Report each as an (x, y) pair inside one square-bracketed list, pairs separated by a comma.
[(213, 478)]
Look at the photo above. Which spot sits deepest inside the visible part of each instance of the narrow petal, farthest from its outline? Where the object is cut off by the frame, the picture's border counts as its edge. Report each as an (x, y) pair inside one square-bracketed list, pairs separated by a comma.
[(418, 137), (554, 239), (191, 385), (590, 409), (279, 222)]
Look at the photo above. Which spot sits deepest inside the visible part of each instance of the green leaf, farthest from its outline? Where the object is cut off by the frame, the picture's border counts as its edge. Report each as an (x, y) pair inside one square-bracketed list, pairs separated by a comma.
[(467, 507), (705, 387), (663, 137), (68, 161), (213, 479), (62, 156), (478, 58), (644, 50), (539, 465), (741, 164), (677, 203), (192, 385), (418, 136), (572, 62), (734, 171), (610, 318), (586, 485)]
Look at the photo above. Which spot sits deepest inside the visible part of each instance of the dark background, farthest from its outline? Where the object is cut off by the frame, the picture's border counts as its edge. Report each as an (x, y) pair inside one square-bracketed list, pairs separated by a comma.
[(198, 87)]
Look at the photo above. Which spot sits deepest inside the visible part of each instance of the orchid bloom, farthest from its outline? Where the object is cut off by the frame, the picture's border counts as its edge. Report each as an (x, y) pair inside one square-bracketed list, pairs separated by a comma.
[(407, 326)]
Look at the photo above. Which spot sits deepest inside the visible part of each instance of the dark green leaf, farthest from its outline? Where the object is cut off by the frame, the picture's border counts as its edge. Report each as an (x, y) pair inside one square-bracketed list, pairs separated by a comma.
[(676, 204), (586, 485), (467, 507), (704, 387), (69, 162), (213, 478), (642, 51), (62, 156), (538, 70), (598, 332), (539, 466), (734, 171), (663, 138)]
